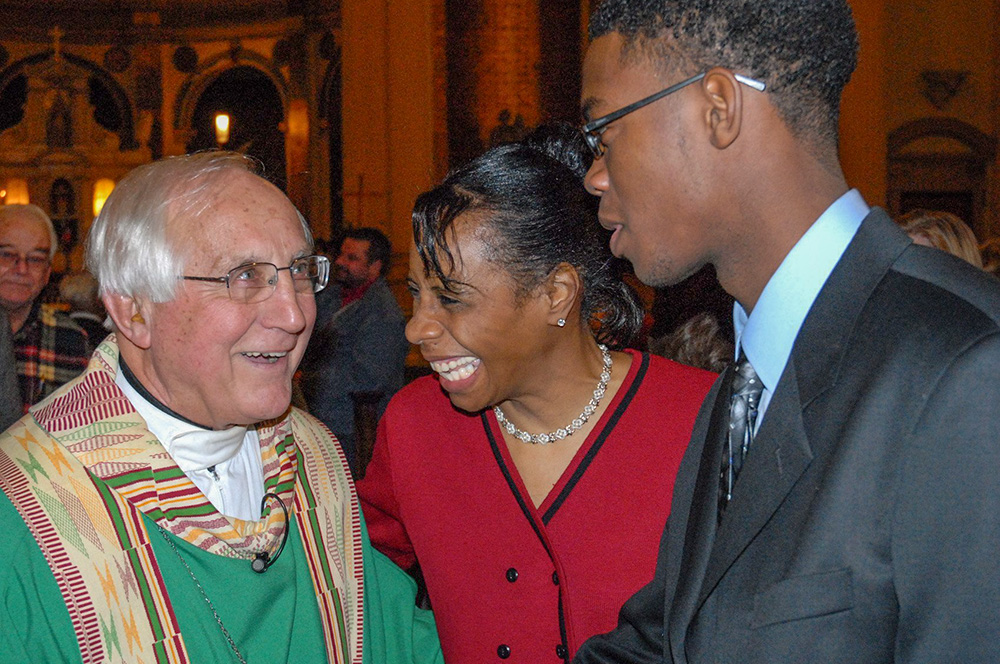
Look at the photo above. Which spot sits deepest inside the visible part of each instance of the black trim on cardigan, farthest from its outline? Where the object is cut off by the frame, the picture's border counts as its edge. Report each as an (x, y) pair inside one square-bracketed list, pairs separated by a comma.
[(584, 464), (510, 482), (595, 448)]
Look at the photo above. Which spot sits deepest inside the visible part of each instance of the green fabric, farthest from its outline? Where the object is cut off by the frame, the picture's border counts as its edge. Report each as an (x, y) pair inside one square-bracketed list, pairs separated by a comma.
[(278, 621), (36, 624), (272, 617), (396, 632)]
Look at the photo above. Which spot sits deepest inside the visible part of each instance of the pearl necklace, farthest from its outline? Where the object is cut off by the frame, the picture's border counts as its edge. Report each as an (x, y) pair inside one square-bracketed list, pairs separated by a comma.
[(575, 425)]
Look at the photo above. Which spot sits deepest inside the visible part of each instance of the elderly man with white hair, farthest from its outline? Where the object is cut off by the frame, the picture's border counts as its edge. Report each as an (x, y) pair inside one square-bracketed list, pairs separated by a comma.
[(51, 349), (168, 505)]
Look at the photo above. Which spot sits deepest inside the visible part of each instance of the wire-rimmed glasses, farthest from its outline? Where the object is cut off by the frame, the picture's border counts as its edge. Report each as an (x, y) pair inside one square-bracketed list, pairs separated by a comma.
[(255, 282)]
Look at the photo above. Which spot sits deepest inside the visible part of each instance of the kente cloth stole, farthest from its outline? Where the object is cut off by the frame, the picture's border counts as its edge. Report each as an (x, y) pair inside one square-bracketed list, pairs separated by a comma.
[(82, 469)]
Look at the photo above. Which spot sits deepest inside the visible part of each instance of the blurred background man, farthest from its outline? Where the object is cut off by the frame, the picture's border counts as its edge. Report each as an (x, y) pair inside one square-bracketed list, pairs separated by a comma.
[(50, 348), (356, 360)]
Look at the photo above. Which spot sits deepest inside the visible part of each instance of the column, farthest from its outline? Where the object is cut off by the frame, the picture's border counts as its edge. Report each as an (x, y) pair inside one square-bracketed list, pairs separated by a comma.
[(863, 122)]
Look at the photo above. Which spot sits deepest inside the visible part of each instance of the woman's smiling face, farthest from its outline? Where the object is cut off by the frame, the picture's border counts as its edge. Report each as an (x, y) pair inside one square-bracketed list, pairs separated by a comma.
[(475, 331)]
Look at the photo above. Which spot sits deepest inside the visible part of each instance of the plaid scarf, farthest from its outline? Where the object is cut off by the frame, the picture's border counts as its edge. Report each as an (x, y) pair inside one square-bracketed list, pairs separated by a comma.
[(51, 350)]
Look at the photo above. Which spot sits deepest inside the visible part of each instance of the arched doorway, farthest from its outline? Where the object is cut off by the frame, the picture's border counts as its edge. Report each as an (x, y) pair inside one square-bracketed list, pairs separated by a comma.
[(112, 107), (940, 164), (255, 110)]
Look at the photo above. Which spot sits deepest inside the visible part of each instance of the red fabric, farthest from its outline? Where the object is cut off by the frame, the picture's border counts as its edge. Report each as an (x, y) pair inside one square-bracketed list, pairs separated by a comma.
[(348, 295), (436, 490)]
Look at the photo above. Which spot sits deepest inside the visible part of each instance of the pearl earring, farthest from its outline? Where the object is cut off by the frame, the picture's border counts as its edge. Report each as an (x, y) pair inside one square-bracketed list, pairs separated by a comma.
[(561, 322)]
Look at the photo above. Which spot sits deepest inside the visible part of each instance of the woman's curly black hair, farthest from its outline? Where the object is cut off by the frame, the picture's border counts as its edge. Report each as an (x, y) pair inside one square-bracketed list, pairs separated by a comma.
[(534, 214)]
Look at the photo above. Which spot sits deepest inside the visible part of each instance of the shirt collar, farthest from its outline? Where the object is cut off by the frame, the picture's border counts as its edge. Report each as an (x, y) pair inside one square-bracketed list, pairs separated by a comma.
[(768, 333), (191, 446), (349, 295), (148, 397)]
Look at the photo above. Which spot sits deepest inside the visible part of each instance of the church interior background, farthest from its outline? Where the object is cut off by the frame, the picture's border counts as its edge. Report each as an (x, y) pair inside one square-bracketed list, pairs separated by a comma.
[(355, 107)]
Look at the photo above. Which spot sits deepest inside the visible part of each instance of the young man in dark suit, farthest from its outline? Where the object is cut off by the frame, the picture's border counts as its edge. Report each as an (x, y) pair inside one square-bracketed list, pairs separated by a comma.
[(839, 500)]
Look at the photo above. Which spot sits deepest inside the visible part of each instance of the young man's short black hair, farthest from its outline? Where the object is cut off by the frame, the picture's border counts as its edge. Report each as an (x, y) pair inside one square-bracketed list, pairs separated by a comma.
[(379, 248), (804, 50)]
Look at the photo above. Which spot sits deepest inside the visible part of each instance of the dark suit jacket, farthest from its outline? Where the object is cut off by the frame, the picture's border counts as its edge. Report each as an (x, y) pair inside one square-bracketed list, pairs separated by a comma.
[(865, 524), (361, 348), (10, 391)]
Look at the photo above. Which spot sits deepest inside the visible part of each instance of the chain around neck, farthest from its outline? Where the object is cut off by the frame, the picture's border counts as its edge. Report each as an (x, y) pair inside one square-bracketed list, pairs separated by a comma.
[(204, 596), (572, 427)]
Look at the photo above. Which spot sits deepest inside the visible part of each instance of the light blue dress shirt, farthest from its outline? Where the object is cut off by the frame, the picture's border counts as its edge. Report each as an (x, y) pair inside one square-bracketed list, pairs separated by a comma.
[(768, 333)]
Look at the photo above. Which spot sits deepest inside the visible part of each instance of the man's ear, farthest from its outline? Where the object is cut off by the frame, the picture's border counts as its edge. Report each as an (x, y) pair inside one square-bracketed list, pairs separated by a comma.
[(374, 270), (562, 288), (724, 114), (131, 318)]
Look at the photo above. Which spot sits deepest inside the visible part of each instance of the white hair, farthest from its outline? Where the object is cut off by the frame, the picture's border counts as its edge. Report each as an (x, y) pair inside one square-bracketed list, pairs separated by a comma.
[(128, 249), (36, 213)]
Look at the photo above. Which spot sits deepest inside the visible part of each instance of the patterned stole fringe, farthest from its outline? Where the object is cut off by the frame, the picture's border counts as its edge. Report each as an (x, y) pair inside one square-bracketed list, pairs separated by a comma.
[(327, 512), (82, 475)]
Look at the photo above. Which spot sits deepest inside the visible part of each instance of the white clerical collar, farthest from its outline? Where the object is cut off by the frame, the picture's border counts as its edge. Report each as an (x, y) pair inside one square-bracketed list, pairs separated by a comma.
[(191, 446), (224, 465)]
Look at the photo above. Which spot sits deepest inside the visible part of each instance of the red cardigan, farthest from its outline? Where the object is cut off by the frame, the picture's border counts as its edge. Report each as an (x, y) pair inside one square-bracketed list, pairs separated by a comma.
[(508, 581)]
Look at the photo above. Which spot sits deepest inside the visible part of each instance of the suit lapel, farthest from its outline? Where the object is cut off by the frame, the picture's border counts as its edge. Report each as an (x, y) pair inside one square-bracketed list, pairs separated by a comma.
[(703, 516), (781, 451), (820, 346), (779, 456)]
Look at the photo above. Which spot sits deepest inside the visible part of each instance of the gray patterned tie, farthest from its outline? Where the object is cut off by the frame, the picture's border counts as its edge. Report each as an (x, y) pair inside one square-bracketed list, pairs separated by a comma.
[(747, 389)]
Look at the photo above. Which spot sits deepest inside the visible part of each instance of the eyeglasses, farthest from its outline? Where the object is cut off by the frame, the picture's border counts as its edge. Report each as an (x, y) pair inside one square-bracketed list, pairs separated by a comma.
[(592, 130), (255, 282), (36, 262)]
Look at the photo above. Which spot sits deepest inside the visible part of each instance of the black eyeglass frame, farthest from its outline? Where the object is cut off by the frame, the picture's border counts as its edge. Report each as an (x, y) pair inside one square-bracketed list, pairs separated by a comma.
[(319, 283), (592, 130)]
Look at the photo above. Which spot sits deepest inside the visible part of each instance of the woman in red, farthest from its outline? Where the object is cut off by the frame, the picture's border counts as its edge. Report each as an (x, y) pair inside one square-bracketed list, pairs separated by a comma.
[(531, 477)]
